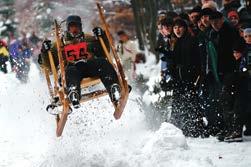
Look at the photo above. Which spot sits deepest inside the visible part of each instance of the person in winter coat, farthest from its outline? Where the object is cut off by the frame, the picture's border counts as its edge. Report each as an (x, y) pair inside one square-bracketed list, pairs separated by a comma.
[(22, 63), (194, 16), (87, 60), (127, 52), (4, 56), (232, 95), (224, 38), (165, 44), (186, 71), (246, 88), (234, 18), (14, 52)]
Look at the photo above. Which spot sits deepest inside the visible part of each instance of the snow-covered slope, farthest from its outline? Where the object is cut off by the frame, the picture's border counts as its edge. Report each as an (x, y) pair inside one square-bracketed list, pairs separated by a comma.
[(92, 138)]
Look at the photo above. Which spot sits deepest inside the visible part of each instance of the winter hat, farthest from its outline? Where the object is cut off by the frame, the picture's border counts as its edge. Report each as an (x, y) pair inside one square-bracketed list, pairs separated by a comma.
[(180, 22), (215, 15), (206, 11), (233, 13), (247, 31), (196, 9), (73, 19)]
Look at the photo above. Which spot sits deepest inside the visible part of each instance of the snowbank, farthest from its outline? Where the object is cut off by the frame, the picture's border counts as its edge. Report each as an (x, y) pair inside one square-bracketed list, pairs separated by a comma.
[(92, 138)]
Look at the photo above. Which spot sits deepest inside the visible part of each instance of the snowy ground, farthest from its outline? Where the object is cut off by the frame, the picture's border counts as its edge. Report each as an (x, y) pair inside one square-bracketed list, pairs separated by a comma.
[(92, 138)]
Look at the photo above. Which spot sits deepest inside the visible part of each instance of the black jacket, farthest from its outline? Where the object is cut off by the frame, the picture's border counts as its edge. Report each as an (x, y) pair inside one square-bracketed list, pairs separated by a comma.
[(187, 64), (224, 41)]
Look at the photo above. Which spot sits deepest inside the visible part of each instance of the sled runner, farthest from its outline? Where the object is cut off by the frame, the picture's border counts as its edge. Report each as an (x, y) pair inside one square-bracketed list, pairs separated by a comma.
[(57, 89)]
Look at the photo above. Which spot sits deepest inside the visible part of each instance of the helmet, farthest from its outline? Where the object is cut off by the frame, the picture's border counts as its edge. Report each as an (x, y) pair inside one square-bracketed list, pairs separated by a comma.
[(73, 19)]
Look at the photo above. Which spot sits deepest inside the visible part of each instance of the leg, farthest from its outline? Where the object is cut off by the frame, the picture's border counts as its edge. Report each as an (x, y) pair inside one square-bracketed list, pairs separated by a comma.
[(99, 68), (73, 79)]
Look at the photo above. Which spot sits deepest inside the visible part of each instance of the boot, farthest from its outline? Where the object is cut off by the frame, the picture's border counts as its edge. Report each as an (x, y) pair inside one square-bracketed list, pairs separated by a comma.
[(221, 135), (74, 97), (115, 93), (234, 137)]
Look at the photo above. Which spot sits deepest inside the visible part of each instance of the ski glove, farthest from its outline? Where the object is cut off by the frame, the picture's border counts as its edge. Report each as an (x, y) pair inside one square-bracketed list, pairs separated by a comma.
[(98, 32), (46, 46)]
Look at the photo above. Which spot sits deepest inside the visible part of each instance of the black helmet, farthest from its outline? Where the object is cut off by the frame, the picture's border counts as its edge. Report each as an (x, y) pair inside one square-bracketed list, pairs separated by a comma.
[(73, 19)]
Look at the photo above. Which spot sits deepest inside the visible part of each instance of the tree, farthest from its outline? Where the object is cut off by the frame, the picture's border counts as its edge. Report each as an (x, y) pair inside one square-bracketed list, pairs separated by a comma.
[(8, 23), (145, 12)]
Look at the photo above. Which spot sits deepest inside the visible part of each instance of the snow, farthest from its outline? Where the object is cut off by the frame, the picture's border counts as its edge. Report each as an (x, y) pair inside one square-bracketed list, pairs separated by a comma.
[(93, 138)]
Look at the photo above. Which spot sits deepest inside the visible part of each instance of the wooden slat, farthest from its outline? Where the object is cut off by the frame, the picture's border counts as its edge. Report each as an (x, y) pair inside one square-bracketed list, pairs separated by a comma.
[(86, 82), (93, 95), (119, 70)]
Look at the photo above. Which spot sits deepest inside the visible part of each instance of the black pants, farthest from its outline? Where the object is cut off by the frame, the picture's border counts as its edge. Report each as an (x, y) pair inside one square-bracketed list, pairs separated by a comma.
[(231, 102), (209, 101), (92, 68)]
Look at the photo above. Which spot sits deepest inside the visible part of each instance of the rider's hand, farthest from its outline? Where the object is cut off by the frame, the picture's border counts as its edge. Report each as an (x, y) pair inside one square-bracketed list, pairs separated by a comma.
[(46, 46), (98, 32)]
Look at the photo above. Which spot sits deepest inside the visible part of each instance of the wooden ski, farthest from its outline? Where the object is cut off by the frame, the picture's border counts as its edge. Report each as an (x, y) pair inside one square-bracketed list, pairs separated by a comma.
[(61, 118), (119, 108)]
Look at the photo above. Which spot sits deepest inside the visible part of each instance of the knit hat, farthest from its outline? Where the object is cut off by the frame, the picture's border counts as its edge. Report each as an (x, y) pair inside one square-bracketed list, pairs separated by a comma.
[(215, 15), (247, 31), (73, 19), (196, 9), (206, 11)]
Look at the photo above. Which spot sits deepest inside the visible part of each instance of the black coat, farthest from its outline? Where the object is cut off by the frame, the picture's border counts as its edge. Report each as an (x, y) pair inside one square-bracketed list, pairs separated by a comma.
[(187, 64), (224, 41)]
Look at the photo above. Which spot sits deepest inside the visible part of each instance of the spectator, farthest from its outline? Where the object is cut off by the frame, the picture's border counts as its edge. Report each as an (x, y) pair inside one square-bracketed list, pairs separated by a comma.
[(127, 52), (185, 108), (233, 17), (165, 44), (205, 13), (194, 16), (224, 39), (247, 94), (233, 108)]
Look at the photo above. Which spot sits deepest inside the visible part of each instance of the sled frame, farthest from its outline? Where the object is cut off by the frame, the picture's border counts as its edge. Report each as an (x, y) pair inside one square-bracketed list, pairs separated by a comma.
[(55, 90)]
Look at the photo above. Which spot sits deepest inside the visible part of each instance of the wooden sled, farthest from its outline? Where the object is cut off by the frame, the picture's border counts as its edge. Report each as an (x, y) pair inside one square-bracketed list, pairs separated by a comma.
[(56, 91)]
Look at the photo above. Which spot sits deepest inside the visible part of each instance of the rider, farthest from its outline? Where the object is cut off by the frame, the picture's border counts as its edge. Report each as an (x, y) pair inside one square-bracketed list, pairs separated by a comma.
[(87, 61)]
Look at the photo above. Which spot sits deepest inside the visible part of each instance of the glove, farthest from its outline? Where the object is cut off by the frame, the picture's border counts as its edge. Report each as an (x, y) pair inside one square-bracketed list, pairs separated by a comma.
[(46, 46), (39, 60), (98, 32)]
